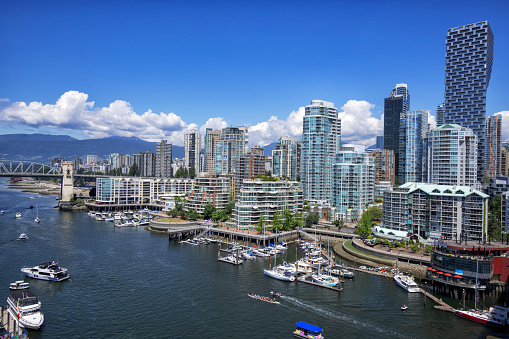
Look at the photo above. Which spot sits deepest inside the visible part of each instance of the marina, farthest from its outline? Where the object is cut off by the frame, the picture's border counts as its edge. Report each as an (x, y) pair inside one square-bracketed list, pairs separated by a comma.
[(103, 290)]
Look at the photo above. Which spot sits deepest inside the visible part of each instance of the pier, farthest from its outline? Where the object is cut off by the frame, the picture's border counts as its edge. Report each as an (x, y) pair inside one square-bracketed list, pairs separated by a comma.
[(9, 326)]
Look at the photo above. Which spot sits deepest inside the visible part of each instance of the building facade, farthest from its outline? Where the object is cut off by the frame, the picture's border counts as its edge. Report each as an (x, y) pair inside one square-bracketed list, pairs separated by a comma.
[(263, 198), (493, 159), (210, 189), (413, 130), (469, 59), (353, 185), (384, 162), (286, 158), (211, 142), (321, 139), (429, 210), (249, 166), (453, 156), (192, 150), (163, 160), (233, 143)]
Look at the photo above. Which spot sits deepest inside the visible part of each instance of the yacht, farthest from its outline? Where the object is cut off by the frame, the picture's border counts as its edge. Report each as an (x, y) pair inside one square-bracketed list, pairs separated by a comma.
[(47, 271), (18, 215), (279, 274), (23, 236), (496, 316), (326, 280), (24, 306), (406, 282)]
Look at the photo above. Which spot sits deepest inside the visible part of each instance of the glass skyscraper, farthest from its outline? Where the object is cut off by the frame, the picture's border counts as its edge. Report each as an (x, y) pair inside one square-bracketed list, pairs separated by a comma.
[(321, 139), (469, 58), (413, 130)]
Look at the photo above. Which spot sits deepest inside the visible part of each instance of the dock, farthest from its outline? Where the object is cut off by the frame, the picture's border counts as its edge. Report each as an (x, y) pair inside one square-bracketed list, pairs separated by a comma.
[(9, 326), (304, 277), (229, 262)]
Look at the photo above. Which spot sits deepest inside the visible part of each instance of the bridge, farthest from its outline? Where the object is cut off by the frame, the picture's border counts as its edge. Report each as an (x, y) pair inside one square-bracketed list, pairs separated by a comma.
[(20, 168)]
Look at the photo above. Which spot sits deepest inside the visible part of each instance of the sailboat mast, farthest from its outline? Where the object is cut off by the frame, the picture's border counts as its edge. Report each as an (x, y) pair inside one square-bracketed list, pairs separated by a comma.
[(475, 294)]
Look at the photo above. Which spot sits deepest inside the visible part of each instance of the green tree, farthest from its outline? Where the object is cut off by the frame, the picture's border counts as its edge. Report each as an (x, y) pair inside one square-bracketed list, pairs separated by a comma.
[(260, 225), (192, 172), (208, 210), (268, 174), (216, 216), (364, 226), (192, 215), (287, 219), (230, 207), (276, 221), (414, 247), (376, 213), (134, 171), (312, 218), (494, 218)]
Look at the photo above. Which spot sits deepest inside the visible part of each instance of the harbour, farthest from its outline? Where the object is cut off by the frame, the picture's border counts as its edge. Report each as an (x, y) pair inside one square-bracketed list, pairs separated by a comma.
[(127, 282)]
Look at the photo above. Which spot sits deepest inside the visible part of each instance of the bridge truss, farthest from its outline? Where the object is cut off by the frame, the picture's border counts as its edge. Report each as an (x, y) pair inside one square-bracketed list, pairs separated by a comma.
[(14, 168)]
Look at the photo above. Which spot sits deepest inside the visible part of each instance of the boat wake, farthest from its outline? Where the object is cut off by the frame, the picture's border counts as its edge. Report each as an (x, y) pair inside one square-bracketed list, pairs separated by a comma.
[(343, 317)]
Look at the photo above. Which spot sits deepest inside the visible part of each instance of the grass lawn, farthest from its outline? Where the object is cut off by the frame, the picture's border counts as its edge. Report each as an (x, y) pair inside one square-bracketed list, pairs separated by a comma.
[(348, 244), (172, 220)]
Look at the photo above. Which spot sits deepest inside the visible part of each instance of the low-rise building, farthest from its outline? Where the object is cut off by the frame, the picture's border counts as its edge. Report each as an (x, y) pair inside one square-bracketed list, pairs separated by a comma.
[(259, 197), (210, 189), (449, 212)]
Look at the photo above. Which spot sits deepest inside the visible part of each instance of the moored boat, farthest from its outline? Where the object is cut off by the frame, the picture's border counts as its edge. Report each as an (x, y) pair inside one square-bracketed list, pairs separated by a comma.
[(326, 280), (24, 306), (496, 316), (280, 275), (305, 330), (406, 282), (47, 271)]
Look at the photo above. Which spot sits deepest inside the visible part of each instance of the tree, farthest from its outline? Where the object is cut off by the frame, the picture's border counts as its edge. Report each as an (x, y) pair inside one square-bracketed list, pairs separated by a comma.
[(134, 171), (494, 218), (216, 216), (208, 210), (287, 216), (267, 173), (376, 213), (192, 172), (192, 215), (276, 221), (339, 224), (229, 207), (364, 226), (312, 218), (260, 225), (80, 170)]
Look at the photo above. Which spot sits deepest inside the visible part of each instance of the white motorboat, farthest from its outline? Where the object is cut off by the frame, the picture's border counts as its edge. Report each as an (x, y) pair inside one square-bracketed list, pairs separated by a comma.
[(406, 282), (279, 274), (100, 217), (2, 212), (109, 219), (24, 306), (91, 214), (23, 236), (125, 224), (47, 271), (231, 259), (247, 255), (326, 280), (18, 215)]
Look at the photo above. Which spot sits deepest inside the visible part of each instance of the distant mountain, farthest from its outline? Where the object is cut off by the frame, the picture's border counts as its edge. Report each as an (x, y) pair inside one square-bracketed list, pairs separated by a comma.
[(44, 147), (267, 150)]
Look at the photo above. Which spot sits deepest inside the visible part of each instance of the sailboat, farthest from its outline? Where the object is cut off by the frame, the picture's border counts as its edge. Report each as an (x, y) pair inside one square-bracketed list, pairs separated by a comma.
[(37, 220), (496, 316), (277, 273), (323, 279)]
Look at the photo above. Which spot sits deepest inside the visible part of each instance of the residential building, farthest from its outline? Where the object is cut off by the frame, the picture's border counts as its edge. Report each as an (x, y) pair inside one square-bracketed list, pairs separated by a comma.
[(146, 163), (493, 161), (413, 130), (380, 187), (77, 163), (448, 211), (395, 109), (192, 150), (384, 162), (233, 143), (91, 159), (163, 159), (353, 184), (211, 142), (469, 59), (321, 139), (210, 189), (504, 162), (497, 185), (453, 156), (286, 158), (379, 142), (505, 211), (248, 167), (263, 198)]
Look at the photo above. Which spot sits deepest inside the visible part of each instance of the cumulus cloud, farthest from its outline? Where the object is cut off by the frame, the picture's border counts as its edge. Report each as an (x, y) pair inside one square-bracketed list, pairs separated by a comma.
[(432, 121), (357, 124), (72, 111), (505, 125), (271, 130)]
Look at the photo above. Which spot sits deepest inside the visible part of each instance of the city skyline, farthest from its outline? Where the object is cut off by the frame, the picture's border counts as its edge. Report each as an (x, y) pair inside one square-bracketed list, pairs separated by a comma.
[(157, 72)]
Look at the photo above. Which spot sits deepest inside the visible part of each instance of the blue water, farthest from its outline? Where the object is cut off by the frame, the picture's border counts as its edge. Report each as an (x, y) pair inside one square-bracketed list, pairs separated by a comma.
[(130, 283)]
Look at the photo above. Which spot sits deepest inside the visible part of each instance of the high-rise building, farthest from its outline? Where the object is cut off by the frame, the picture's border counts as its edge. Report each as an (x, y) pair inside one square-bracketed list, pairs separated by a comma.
[(354, 183), (286, 158), (395, 108), (453, 156), (440, 114), (379, 141), (248, 167), (321, 139), (413, 130), (211, 142), (163, 159), (91, 159), (233, 142), (146, 163), (192, 149), (384, 165), (469, 58), (493, 160), (504, 160)]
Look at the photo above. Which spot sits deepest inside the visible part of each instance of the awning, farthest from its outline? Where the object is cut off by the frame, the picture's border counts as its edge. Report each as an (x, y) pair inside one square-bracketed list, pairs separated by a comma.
[(432, 269), (458, 276), (308, 327), (448, 274), (440, 272)]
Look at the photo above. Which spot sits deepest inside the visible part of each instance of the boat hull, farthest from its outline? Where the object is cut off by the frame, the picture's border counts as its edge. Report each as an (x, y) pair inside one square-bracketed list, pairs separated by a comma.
[(478, 318), (282, 277), (43, 277), (404, 286)]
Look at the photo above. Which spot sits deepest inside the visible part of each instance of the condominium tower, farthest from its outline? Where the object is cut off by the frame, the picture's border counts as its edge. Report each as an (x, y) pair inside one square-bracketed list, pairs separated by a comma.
[(211, 142), (192, 149), (469, 58), (163, 159), (413, 130), (321, 139), (493, 145), (286, 158), (233, 142)]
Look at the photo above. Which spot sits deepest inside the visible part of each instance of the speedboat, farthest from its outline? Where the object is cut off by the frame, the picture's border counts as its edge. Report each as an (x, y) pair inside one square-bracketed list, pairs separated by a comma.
[(326, 280), (231, 259), (18, 215), (2, 212), (404, 307), (23, 236), (308, 331), (47, 271), (406, 282), (280, 275), (24, 306), (37, 220)]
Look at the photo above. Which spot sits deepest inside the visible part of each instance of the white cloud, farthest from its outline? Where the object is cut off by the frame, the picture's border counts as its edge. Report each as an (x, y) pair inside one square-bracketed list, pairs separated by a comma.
[(271, 130), (505, 125), (357, 124), (4, 100), (432, 121)]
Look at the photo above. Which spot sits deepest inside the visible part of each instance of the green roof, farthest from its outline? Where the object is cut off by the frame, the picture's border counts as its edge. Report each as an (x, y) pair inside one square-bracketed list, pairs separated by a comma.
[(449, 126), (448, 190)]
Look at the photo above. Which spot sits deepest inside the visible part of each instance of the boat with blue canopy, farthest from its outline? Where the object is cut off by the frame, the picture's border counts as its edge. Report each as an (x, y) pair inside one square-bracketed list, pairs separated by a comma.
[(305, 330)]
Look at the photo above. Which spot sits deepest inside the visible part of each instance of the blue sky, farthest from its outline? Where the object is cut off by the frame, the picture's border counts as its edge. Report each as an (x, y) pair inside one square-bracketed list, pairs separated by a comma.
[(156, 69)]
